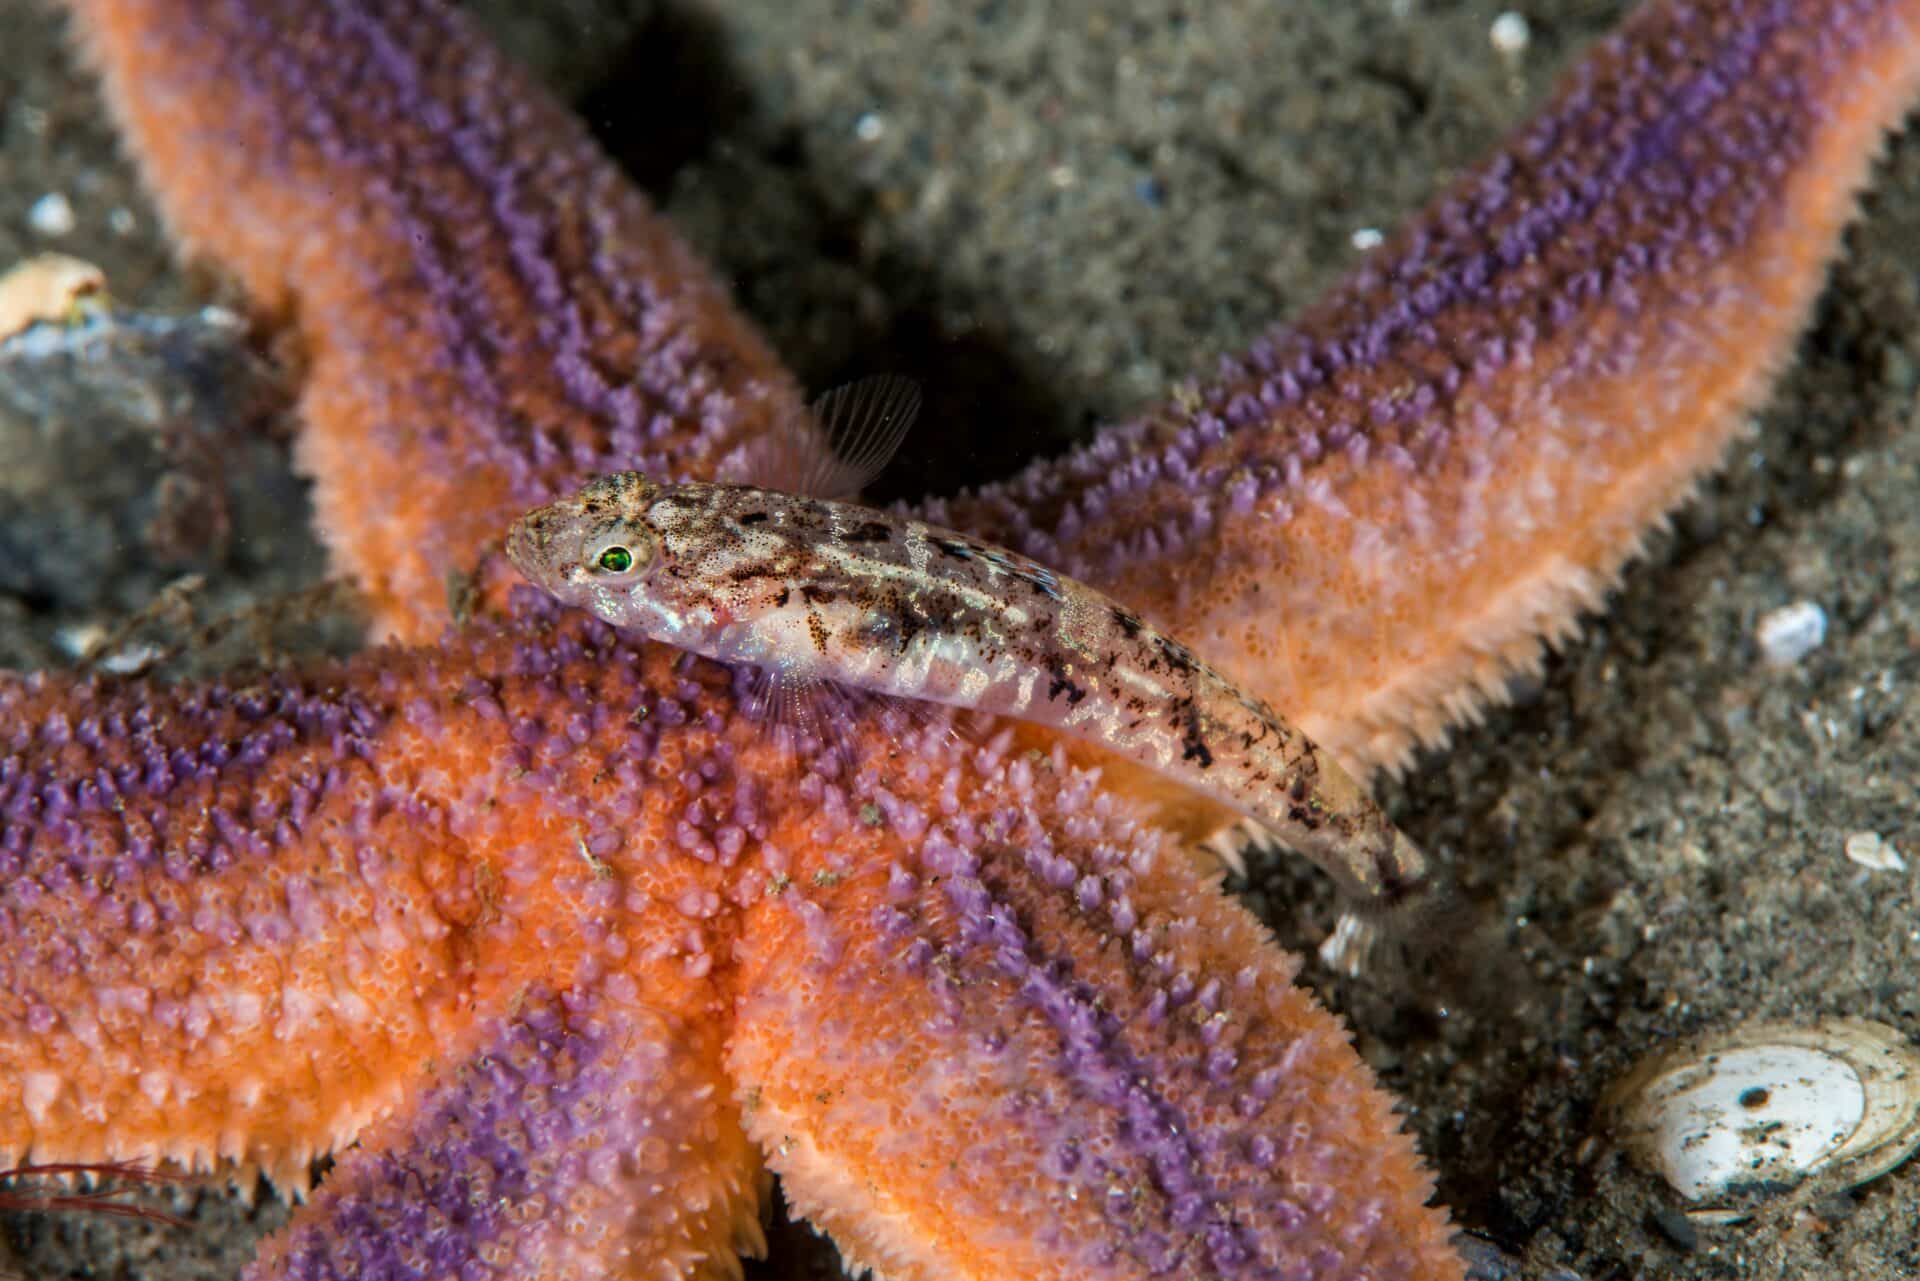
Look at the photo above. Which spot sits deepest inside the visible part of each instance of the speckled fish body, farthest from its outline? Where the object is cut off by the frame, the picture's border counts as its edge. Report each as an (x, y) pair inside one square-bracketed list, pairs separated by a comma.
[(813, 589)]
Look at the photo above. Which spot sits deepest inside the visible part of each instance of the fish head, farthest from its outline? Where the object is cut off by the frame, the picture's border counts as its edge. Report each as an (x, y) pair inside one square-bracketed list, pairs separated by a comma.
[(675, 562), (594, 548)]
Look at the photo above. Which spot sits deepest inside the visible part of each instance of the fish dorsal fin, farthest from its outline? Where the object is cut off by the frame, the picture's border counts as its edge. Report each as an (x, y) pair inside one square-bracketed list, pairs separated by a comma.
[(834, 450), (864, 423)]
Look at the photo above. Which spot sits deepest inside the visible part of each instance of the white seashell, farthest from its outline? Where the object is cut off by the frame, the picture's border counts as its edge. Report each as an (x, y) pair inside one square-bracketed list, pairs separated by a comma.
[(1790, 633), (1874, 851), (1771, 1103)]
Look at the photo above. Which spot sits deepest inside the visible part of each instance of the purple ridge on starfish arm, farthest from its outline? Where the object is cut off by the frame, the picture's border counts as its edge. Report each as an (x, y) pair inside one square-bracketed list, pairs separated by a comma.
[(537, 1154), (1055, 1056)]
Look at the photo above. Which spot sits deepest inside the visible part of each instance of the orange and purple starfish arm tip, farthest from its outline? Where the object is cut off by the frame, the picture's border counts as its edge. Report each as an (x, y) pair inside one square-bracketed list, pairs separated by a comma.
[(1401, 495), (489, 311), (244, 918), (1054, 1053), (578, 1137)]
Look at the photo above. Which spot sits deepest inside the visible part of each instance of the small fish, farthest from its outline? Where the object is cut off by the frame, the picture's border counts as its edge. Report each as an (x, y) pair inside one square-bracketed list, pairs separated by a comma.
[(819, 589)]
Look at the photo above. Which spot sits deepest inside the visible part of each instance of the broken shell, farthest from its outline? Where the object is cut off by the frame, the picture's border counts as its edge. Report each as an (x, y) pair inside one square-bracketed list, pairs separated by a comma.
[(1769, 1105), (48, 287)]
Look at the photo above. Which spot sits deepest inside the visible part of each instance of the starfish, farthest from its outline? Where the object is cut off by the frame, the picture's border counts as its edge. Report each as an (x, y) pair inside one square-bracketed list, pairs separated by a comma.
[(384, 771)]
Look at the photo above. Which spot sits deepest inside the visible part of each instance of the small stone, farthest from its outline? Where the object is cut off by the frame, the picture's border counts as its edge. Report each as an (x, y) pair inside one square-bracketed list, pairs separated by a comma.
[(1677, 1228), (132, 660), (1365, 238), (77, 640), (1790, 633), (51, 215), (1871, 850), (46, 288), (1510, 34)]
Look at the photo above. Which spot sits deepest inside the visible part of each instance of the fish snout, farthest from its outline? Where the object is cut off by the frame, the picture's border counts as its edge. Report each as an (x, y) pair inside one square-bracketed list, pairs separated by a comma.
[(543, 544)]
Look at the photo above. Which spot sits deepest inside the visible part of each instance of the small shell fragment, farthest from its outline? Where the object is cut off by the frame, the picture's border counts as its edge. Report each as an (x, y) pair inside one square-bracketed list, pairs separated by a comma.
[(1872, 850), (1769, 1105), (47, 287), (1790, 633)]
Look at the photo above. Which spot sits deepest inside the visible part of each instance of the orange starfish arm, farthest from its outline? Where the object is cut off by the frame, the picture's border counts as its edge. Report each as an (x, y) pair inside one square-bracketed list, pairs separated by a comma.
[(557, 846), (1400, 496), (488, 315), (242, 918), (1053, 1052), (584, 1136)]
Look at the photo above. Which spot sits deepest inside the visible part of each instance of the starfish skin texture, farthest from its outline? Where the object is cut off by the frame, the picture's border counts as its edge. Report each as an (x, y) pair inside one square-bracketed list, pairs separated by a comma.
[(391, 865), (531, 1025)]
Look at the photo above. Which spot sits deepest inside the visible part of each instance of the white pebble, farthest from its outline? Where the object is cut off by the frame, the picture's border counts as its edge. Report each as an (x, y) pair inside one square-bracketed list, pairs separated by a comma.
[(1790, 633), (869, 126), (77, 640), (83, 640), (132, 660), (51, 215), (1870, 849), (1367, 238), (1510, 34)]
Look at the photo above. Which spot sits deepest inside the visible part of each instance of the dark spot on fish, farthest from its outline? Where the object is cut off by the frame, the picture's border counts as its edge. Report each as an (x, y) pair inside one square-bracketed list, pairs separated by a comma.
[(1193, 741), (1128, 623), (817, 595), (872, 531), (907, 625), (1195, 748), (1178, 656), (781, 599), (1063, 684), (754, 518)]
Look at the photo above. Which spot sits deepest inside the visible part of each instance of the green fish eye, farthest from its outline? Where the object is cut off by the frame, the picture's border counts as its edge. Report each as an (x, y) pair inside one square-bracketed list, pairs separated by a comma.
[(616, 560)]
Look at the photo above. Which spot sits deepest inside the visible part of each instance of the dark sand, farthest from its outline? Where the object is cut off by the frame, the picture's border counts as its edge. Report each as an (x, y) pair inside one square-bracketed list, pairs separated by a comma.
[(1049, 221)]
